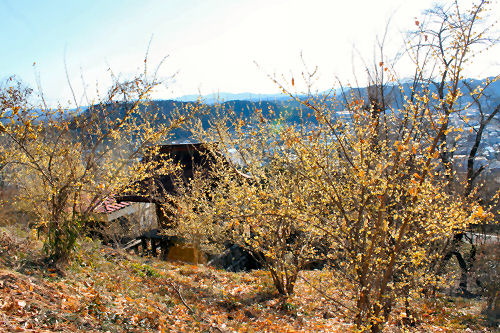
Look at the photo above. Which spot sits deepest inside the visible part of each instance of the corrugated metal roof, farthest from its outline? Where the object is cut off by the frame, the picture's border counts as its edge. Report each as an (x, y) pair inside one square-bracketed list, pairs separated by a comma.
[(109, 205)]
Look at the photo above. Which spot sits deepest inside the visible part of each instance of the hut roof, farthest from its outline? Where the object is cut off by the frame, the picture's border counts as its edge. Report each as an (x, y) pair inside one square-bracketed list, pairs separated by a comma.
[(190, 156)]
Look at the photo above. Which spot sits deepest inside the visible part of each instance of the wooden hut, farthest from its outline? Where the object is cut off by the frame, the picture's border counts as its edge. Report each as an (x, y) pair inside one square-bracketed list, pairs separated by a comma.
[(154, 190), (189, 156)]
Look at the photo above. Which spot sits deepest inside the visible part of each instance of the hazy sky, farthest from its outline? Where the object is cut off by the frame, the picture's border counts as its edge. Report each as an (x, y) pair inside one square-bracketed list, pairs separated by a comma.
[(212, 44)]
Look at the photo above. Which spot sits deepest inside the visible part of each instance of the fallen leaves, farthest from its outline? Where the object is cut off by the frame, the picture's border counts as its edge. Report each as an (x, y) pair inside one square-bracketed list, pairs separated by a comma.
[(107, 294)]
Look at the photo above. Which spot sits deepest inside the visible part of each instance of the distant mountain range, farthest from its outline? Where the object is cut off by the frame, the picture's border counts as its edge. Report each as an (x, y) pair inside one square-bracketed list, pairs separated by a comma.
[(492, 91), (221, 97)]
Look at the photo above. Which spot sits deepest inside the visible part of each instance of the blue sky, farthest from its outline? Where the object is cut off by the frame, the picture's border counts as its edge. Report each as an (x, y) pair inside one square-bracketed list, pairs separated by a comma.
[(212, 44)]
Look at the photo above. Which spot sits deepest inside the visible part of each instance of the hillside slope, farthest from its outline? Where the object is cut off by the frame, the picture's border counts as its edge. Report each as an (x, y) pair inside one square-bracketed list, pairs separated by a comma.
[(105, 290)]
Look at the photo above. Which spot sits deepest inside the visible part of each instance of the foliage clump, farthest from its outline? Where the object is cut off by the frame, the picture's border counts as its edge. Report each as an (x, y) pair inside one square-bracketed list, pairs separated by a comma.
[(64, 163), (367, 190)]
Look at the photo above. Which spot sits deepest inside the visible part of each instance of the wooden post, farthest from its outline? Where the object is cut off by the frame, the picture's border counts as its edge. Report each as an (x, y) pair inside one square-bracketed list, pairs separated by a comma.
[(144, 244), (164, 248), (153, 247)]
